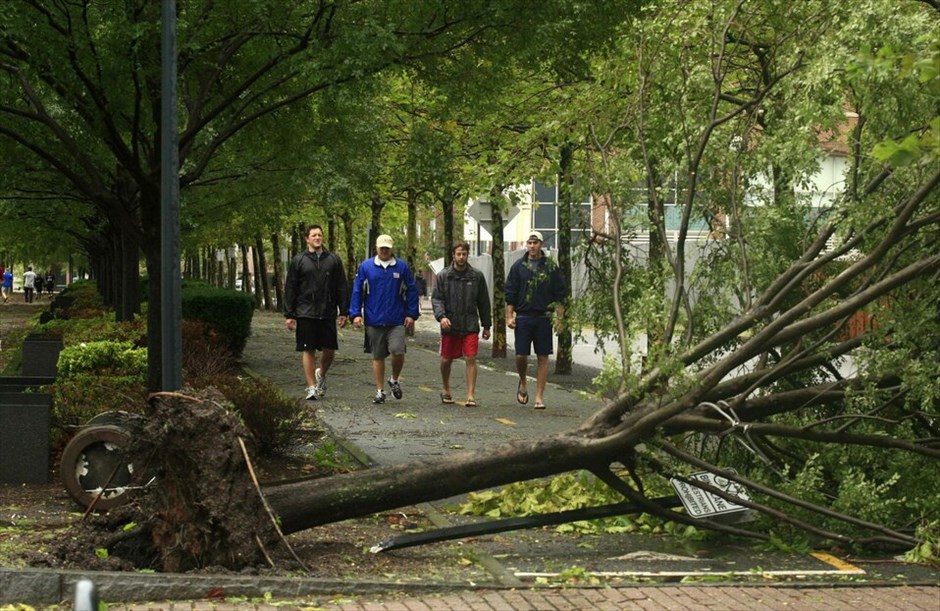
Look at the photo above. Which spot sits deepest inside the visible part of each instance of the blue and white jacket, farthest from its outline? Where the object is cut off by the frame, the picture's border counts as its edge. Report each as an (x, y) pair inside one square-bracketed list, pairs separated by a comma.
[(384, 296)]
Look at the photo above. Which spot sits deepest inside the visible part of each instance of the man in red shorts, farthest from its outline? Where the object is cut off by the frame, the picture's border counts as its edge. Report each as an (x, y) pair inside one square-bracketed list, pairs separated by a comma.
[(461, 304)]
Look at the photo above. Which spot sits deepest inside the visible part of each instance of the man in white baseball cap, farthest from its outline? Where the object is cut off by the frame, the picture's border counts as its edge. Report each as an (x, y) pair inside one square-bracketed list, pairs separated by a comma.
[(385, 299)]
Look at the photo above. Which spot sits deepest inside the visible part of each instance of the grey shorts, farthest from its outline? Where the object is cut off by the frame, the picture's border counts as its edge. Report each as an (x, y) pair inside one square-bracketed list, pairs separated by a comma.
[(386, 340)]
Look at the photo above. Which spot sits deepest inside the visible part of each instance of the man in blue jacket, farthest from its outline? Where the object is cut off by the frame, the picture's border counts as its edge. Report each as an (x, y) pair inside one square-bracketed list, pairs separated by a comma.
[(314, 295), (534, 285), (384, 290)]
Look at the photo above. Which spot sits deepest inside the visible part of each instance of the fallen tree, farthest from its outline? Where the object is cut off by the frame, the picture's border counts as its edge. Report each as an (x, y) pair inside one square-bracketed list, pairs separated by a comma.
[(191, 512), (667, 403)]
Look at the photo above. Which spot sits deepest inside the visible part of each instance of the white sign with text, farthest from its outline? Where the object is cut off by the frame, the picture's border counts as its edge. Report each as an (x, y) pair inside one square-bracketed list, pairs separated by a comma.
[(701, 503)]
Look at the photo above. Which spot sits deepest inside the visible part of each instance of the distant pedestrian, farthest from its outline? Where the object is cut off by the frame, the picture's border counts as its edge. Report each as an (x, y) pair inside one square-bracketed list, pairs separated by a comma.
[(385, 294), (50, 283), (533, 287), (7, 284), (315, 295), (38, 284), (29, 283), (461, 303)]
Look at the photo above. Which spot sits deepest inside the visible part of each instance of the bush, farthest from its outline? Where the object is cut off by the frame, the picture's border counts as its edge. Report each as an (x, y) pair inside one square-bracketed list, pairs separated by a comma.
[(228, 312), (271, 416), (78, 300), (104, 358), (204, 354), (79, 397), (101, 327)]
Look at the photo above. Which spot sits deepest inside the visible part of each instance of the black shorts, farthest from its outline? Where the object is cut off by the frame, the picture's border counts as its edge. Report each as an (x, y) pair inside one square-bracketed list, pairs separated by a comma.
[(316, 334), (533, 330)]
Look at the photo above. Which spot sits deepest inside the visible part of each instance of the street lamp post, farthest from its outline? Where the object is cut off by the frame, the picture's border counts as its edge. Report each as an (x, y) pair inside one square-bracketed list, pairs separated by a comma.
[(170, 301)]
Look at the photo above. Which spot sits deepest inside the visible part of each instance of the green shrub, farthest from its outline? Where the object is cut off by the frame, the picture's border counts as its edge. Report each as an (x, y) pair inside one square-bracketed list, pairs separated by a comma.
[(104, 358), (204, 354), (228, 312), (101, 327), (80, 299), (81, 396), (271, 416)]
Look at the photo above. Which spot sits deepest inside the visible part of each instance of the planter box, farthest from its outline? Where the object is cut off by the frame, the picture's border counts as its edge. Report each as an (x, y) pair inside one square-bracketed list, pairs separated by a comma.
[(41, 355), (21, 383), (24, 437)]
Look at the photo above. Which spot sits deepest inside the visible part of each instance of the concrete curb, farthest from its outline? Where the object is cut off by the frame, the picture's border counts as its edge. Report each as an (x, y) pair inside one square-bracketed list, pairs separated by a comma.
[(51, 586)]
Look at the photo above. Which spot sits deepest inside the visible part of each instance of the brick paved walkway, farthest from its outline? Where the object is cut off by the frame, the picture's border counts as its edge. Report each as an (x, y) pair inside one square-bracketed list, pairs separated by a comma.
[(646, 598)]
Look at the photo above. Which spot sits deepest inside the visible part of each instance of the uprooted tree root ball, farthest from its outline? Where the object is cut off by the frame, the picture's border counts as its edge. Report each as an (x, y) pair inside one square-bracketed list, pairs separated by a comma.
[(203, 508), (199, 509)]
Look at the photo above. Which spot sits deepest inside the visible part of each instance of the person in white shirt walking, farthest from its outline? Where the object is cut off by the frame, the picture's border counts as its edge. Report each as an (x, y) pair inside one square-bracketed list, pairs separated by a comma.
[(29, 284)]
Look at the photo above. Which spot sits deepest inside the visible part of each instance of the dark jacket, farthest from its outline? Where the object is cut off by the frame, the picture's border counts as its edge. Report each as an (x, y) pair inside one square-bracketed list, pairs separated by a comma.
[(316, 286), (464, 299), (532, 289)]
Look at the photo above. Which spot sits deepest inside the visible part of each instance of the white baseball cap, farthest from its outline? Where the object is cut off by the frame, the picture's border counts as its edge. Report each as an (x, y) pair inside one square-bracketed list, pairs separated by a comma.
[(535, 235), (384, 241)]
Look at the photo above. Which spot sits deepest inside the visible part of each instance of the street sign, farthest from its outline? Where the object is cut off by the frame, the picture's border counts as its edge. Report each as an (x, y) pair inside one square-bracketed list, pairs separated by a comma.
[(701, 503)]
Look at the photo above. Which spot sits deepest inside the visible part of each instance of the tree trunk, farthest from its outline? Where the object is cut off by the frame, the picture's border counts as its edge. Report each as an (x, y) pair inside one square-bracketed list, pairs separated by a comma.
[(658, 264), (246, 276), (411, 247), (447, 198), (258, 290), (262, 273), (230, 257), (497, 204), (308, 503), (565, 204), (349, 235), (375, 224), (278, 271)]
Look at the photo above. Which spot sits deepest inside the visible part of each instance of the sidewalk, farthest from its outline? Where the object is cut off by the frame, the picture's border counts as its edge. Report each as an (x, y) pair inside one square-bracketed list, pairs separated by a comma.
[(643, 598)]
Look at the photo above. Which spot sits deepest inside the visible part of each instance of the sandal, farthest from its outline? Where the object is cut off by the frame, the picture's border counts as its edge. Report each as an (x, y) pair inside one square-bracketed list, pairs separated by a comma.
[(446, 399), (470, 403), (521, 395), (538, 405)]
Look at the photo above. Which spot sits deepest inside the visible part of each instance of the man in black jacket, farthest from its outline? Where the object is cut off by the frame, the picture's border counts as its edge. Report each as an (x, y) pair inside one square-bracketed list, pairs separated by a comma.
[(461, 302), (314, 295)]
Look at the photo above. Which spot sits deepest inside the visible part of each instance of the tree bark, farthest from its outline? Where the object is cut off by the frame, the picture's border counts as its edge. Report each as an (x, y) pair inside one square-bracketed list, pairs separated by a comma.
[(308, 503), (565, 204), (497, 202), (278, 270)]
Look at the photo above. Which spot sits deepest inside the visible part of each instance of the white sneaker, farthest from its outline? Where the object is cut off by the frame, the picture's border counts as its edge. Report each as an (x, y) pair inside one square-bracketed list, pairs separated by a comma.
[(312, 393), (321, 383), (396, 388)]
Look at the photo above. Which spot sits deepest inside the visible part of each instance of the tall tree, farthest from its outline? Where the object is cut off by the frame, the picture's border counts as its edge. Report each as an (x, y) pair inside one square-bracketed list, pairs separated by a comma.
[(81, 88)]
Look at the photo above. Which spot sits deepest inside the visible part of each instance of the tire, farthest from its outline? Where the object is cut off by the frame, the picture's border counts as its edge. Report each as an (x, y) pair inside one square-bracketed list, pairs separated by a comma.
[(125, 420), (93, 457)]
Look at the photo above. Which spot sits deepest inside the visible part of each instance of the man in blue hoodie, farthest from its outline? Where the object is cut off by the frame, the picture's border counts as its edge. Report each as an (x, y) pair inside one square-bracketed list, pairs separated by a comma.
[(384, 290)]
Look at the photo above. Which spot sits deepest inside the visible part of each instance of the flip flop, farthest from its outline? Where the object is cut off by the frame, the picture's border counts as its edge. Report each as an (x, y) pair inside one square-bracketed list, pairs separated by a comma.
[(538, 405), (521, 395), (446, 399), (470, 403)]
